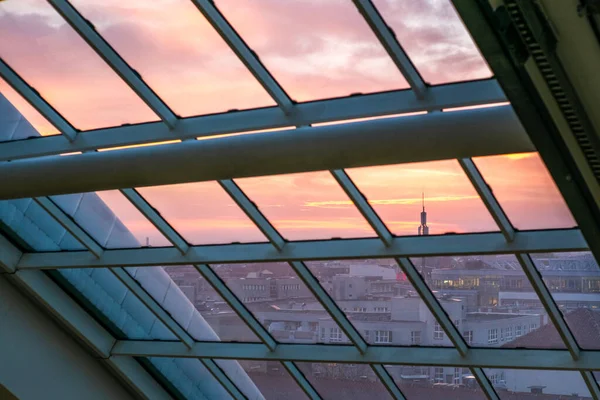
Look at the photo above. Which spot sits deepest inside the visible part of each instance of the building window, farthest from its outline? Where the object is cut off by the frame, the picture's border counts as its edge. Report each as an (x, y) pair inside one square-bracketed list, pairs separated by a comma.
[(468, 335), (492, 336), (415, 338), (509, 333), (439, 374), (518, 331), (383, 337), (438, 333), (335, 335), (502, 334), (457, 372)]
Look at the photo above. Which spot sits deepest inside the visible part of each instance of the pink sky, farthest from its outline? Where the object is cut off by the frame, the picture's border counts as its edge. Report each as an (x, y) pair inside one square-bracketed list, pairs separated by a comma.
[(315, 49)]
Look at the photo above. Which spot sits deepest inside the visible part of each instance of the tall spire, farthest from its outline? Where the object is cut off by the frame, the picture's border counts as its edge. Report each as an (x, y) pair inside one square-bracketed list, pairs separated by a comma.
[(423, 228)]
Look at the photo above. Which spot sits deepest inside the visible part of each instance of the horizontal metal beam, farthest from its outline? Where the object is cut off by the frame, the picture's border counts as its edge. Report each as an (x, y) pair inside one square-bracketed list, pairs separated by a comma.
[(426, 356), (379, 104), (413, 246), (374, 142)]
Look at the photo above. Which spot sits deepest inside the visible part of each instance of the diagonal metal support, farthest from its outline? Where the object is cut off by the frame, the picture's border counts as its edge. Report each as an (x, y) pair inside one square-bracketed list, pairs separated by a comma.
[(156, 219), (549, 304), (433, 304), (245, 54), (488, 198), (388, 39), (591, 383), (71, 226), (253, 213), (223, 379), (485, 384), (231, 299), (301, 380), (363, 206), (87, 31), (388, 382), (37, 101)]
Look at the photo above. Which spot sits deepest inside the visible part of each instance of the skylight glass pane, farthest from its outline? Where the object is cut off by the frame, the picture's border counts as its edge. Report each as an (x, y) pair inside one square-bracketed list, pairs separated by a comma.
[(526, 191), (52, 58), (435, 39), (428, 382), (380, 302), (306, 206), (280, 301), (111, 219), (18, 119), (178, 53), (316, 49), (400, 193), (475, 292), (574, 282), (344, 381), (203, 213), (228, 326), (272, 379), (517, 384)]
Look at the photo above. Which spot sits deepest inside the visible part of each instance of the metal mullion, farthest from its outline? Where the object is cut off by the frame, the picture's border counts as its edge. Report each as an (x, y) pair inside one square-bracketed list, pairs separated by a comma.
[(223, 379), (37, 101), (70, 225), (252, 211), (388, 381), (433, 304), (244, 53), (329, 305), (484, 383), (88, 33), (554, 313), (488, 198), (156, 219), (389, 41), (235, 303), (301, 380), (363, 206), (591, 383)]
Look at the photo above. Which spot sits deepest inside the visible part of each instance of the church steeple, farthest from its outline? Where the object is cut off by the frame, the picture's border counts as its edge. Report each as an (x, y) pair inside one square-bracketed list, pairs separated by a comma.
[(423, 228)]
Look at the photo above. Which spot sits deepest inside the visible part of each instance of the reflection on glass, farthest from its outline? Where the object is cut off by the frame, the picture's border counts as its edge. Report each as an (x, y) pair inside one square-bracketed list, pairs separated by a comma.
[(521, 384), (526, 191), (574, 282), (51, 57), (380, 302), (435, 39), (273, 380), (306, 206), (426, 382), (225, 322), (281, 302), (344, 381), (478, 294), (400, 194), (18, 119), (315, 49), (110, 219), (202, 213), (178, 53)]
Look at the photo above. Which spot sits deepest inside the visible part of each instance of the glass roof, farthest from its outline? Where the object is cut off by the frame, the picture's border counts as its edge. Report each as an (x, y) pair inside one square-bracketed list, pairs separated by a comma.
[(379, 280)]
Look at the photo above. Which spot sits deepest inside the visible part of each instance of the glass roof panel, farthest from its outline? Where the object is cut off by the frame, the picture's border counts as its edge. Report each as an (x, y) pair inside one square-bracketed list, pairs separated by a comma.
[(228, 326), (344, 381), (52, 58), (306, 206), (379, 301), (435, 39), (428, 382), (111, 219), (315, 49), (178, 54), (396, 193), (524, 384), (475, 293), (272, 379), (202, 213), (574, 282), (280, 301), (526, 191), (24, 121)]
